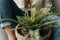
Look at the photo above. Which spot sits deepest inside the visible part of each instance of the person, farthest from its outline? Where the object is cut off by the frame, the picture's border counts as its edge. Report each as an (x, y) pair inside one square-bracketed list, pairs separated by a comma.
[(11, 8)]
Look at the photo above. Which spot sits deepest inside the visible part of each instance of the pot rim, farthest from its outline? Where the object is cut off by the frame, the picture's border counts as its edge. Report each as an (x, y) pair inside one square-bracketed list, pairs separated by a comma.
[(48, 34)]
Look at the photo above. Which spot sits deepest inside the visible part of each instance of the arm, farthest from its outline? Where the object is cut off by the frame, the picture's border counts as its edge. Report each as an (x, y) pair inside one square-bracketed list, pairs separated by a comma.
[(10, 34), (7, 26)]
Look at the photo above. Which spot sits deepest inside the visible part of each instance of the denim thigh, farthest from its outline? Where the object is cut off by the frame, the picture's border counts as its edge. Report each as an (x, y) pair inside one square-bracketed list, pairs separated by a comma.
[(5, 9), (8, 9)]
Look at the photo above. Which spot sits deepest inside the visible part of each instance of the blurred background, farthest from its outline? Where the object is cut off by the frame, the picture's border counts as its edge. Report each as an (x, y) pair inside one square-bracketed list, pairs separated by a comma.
[(56, 5)]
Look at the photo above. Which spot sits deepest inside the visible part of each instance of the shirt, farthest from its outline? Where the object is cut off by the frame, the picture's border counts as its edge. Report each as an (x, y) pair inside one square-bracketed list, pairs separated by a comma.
[(20, 3)]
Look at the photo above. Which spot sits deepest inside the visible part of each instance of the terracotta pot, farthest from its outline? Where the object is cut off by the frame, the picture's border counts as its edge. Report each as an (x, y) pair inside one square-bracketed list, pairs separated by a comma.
[(46, 37)]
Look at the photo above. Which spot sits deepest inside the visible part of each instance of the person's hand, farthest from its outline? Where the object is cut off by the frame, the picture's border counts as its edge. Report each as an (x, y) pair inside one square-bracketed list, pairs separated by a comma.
[(11, 34), (21, 37)]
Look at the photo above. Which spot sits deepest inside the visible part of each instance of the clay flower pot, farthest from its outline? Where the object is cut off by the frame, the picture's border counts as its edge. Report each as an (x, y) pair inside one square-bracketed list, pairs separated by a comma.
[(46, 37)]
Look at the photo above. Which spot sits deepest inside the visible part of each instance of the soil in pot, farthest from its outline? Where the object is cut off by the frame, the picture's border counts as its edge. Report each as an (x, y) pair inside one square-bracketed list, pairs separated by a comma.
[(43, 32), (46, 33), (22, 32)]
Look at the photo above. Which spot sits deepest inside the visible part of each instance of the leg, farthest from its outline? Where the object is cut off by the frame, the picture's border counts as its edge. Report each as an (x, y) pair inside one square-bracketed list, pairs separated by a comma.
[(5, 9), (56, 34)]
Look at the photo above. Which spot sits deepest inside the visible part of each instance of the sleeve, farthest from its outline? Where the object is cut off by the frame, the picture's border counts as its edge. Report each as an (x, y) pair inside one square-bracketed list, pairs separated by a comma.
[(5, 12), (3, 25)]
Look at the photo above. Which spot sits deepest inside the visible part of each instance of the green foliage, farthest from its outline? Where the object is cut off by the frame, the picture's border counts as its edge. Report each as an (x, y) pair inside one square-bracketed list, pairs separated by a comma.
[(37, 19)]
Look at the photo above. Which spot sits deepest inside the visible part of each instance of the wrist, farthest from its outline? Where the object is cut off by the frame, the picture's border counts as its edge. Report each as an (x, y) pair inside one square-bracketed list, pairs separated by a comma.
[(11, 34)]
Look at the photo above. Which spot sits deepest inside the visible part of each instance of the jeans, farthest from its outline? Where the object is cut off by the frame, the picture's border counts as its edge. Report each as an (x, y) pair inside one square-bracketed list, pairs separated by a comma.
[(8, 9), (55, 30), (55, 34)]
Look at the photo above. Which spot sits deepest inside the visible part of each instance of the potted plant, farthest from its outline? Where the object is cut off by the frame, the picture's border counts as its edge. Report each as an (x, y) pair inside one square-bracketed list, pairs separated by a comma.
[(35, 26)]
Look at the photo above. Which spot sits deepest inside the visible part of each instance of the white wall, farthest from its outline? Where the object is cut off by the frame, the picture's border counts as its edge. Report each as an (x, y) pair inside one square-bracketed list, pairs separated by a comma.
[(56, 4), (3, 35)]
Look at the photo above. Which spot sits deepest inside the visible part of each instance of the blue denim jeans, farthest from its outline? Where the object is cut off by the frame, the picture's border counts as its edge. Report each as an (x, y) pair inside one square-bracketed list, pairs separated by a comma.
[(55, 34), (5, 11), (55, 30), (8, 9)]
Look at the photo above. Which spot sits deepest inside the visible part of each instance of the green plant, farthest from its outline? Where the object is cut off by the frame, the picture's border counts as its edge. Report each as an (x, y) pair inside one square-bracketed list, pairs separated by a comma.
[(33, 22)]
